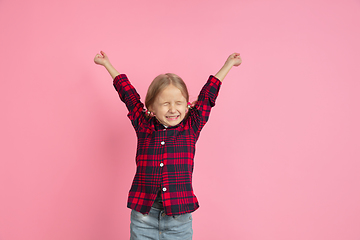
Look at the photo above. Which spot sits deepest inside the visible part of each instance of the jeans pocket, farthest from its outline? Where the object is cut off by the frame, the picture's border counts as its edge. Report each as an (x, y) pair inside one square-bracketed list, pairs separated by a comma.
[(184, 218), (137, 215)]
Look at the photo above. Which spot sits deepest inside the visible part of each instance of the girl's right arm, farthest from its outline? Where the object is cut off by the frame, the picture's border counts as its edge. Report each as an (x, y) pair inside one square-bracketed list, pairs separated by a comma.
[(103, 60), (126, 91)]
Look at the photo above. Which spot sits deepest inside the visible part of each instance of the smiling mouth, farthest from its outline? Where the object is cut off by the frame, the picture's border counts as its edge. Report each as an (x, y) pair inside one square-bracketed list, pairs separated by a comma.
[(172, 118)]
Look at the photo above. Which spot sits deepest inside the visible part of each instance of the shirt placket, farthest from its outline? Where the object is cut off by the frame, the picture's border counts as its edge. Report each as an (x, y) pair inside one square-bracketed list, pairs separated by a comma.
[(162, 162)]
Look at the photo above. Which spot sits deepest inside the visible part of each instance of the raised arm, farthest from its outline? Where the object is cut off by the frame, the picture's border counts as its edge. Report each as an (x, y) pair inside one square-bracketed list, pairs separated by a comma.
[(103, 60), (233, 60)]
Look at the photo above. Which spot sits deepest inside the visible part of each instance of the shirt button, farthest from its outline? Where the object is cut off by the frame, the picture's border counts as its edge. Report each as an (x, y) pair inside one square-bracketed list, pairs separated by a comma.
[(163, 214), (164, 189), (164, 129), (162, 143), (161, 164)]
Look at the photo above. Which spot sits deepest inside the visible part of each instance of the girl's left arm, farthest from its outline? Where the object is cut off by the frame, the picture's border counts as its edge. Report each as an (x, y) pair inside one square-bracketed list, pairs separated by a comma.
[(233, 60)]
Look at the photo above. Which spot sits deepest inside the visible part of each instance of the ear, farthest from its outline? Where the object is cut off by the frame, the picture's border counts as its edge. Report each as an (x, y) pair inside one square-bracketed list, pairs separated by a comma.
[(149, 108)]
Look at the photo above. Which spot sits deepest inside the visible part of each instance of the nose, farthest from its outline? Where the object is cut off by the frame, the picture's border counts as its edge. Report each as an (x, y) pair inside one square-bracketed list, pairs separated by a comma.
[(172, 108)]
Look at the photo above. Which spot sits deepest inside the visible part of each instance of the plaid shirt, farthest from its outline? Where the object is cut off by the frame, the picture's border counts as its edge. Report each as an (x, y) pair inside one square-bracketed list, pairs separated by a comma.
[(165, 156)]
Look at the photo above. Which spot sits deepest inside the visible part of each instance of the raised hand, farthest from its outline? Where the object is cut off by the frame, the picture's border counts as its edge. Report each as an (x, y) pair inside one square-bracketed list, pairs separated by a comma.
[(101, 59), (234, 60)]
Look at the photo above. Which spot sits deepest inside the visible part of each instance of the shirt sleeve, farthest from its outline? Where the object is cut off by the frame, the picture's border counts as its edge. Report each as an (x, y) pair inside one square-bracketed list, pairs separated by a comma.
[(206, 100), (131, 98)]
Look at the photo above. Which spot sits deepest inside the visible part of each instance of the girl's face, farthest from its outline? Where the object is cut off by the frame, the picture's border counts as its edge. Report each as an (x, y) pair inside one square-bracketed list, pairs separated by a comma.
[(170, 106)]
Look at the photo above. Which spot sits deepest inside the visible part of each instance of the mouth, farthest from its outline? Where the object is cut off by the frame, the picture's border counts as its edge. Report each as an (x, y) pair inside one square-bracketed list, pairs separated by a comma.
[(172, 118)]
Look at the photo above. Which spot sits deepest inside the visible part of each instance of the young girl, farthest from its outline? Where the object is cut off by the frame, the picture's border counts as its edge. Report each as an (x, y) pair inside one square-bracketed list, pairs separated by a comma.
[(161, 196)]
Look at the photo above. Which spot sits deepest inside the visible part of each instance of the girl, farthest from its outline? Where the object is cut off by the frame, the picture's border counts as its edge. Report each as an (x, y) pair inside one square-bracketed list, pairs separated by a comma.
[(161, 196)]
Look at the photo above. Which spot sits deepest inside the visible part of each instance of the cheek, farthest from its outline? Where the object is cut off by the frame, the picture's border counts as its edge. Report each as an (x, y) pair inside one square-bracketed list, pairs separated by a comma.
[(158, 110), (162, 111), (184, 109)]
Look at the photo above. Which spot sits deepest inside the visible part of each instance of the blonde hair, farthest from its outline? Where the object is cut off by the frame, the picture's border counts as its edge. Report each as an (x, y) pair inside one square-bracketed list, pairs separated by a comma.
[(160, 83)]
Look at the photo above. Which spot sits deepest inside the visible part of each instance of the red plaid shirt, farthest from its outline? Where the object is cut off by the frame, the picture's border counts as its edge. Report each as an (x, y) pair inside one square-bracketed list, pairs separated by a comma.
[(165, 156)]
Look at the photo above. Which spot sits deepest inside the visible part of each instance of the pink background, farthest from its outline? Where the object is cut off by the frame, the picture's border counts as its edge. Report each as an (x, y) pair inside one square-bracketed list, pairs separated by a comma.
[(279, 158)]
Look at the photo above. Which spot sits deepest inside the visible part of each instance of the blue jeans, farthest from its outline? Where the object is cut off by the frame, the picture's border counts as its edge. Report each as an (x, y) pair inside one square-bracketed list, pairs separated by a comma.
[(158, 226)]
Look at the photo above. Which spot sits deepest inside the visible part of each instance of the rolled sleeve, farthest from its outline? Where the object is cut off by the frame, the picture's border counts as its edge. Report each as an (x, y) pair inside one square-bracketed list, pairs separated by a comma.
[(205, 102), (131, 98)]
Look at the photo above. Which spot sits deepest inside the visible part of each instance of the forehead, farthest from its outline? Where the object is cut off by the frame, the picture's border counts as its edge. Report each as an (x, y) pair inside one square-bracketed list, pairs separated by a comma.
[(171, 92)]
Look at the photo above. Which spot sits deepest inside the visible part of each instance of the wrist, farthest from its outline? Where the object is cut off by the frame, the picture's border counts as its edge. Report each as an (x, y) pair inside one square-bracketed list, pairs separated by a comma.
[(107, 65), (229, 64)]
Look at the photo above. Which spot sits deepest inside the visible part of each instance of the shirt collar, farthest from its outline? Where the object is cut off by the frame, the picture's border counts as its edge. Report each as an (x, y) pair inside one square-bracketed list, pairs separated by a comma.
[(159, 126)]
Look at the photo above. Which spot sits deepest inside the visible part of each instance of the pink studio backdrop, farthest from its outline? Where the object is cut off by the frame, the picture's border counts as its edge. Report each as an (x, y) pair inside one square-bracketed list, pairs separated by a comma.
[(279, 158)]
